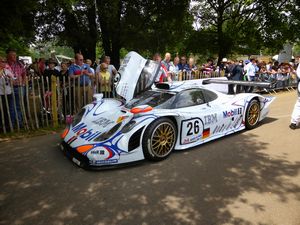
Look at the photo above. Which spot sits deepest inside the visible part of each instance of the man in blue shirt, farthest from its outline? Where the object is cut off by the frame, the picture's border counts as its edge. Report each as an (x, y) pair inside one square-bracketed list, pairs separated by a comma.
[(182, 63), (83, 76)]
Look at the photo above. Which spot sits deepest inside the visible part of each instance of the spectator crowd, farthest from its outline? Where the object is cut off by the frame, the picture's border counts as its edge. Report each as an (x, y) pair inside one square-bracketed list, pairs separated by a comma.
[(80, 78)]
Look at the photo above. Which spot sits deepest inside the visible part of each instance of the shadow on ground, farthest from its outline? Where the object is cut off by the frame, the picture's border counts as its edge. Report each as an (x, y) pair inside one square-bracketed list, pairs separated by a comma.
[(40, 186)]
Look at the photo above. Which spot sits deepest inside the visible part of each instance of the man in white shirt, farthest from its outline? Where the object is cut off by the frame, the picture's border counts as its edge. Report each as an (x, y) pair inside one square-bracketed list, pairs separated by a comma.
[(250, 70), (296, 112)]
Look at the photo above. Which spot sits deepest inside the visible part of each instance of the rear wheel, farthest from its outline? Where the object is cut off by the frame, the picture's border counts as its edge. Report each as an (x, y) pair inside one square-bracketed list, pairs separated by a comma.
[(252, 114), (159, 139)]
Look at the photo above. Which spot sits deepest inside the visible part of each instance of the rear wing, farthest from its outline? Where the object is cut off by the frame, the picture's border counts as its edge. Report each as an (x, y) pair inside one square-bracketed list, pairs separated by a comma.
[(242, 83)]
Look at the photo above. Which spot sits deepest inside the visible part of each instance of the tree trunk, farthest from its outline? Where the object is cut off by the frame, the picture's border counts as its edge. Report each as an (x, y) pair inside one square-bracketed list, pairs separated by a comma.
[(93, 36)]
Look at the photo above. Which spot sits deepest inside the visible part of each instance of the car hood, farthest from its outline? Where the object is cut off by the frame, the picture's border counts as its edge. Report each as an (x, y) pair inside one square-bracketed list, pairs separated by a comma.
[(99, 117), (137, 74)]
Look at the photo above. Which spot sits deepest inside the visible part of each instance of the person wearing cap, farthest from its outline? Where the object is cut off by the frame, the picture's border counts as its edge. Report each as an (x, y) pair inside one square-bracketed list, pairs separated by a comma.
[(19, 78), (223, 65), (49, 72), (46, 76), (295, 117)]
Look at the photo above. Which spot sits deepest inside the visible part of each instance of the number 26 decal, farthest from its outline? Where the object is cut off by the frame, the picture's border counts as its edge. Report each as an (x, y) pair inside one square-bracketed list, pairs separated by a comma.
[(193, 127)]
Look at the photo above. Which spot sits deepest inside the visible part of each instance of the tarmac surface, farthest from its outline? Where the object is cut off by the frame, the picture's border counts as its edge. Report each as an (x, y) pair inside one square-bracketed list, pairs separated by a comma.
[(248, 178)]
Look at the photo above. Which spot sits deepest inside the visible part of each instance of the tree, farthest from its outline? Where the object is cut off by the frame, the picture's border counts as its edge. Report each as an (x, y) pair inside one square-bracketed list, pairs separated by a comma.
[(156, 26), (17, 24), (72, 23), (146, 26), (241, 25)]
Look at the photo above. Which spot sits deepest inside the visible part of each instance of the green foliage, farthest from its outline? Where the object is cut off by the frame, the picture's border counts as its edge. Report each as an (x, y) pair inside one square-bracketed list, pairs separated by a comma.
[(72, 23), (156, 26), (243, 26), (296, 49), (44, 49), (17, 24), (98, 27)]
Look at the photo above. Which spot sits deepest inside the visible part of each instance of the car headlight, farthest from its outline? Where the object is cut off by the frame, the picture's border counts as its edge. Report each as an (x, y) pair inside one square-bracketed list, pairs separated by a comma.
[(106, 135), (78, 117), (128, 127)]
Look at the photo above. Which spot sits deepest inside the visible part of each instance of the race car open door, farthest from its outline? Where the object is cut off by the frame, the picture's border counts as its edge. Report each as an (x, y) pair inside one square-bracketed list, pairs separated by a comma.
[(136, 75)]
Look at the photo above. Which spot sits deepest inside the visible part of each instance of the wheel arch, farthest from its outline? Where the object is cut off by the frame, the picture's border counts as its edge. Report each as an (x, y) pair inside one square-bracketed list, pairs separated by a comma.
[(172, 119)]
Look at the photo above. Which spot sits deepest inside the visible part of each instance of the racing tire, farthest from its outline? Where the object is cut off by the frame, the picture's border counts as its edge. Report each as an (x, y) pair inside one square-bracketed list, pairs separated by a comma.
[(252, 114), (159, 139)]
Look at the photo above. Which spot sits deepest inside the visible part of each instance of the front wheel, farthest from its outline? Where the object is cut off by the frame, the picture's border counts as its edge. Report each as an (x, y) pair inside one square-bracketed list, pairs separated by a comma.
[(252, 114), (159, 139)]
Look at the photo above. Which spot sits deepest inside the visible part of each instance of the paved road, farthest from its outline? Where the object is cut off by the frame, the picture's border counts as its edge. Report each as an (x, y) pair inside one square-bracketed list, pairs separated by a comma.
[(252, 177)]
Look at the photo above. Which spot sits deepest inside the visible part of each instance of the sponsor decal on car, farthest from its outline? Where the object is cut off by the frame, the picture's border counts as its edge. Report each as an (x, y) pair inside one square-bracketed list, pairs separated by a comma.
[(102, 122), (210, 119), (237, 122), (101, 162), (191, 130), (232, 112), (82, 132), (100, 153), (206, 133)]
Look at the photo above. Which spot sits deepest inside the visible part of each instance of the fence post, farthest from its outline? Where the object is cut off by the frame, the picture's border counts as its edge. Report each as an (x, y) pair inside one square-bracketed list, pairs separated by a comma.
[(8, 110), (27, 101), (59, 100), (180, 76), (22, 107), (2, 116), (44, 99), (34, 103), (54, 101), (15, 107)]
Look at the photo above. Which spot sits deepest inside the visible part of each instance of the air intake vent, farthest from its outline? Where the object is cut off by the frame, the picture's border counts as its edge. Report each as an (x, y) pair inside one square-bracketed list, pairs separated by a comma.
[(134, 140)]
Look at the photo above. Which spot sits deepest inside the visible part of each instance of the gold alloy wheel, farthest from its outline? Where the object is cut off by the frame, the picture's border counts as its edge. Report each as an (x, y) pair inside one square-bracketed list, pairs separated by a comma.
[(163, 139), (253, 114)]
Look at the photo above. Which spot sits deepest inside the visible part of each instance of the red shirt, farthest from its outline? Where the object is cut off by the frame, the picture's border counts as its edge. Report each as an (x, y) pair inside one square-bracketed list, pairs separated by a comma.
[(19, 73)]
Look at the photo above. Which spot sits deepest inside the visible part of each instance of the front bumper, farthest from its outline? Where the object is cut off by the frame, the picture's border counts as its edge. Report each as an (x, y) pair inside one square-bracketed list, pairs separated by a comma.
[(79, 159), (83, 162)]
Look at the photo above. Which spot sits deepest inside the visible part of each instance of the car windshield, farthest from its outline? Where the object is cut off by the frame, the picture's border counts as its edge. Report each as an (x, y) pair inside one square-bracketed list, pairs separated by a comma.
[(155, 99)]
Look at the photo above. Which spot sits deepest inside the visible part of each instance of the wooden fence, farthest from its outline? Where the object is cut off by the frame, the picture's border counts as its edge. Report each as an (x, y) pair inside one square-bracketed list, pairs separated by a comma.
[(44, 103)]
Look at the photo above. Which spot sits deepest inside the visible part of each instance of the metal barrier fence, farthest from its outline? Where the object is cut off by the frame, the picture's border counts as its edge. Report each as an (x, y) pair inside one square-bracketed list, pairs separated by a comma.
[(43, 103)]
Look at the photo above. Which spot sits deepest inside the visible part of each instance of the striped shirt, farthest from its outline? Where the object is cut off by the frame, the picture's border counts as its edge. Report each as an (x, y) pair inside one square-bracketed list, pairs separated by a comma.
[(18, 72)]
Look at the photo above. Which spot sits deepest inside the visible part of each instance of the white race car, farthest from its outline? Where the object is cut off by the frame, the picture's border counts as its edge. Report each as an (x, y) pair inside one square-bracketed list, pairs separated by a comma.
[(152, 121)]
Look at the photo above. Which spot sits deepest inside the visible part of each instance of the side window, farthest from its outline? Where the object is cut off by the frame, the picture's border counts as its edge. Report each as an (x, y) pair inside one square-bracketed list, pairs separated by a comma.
[(209, 95), (188, 98)]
